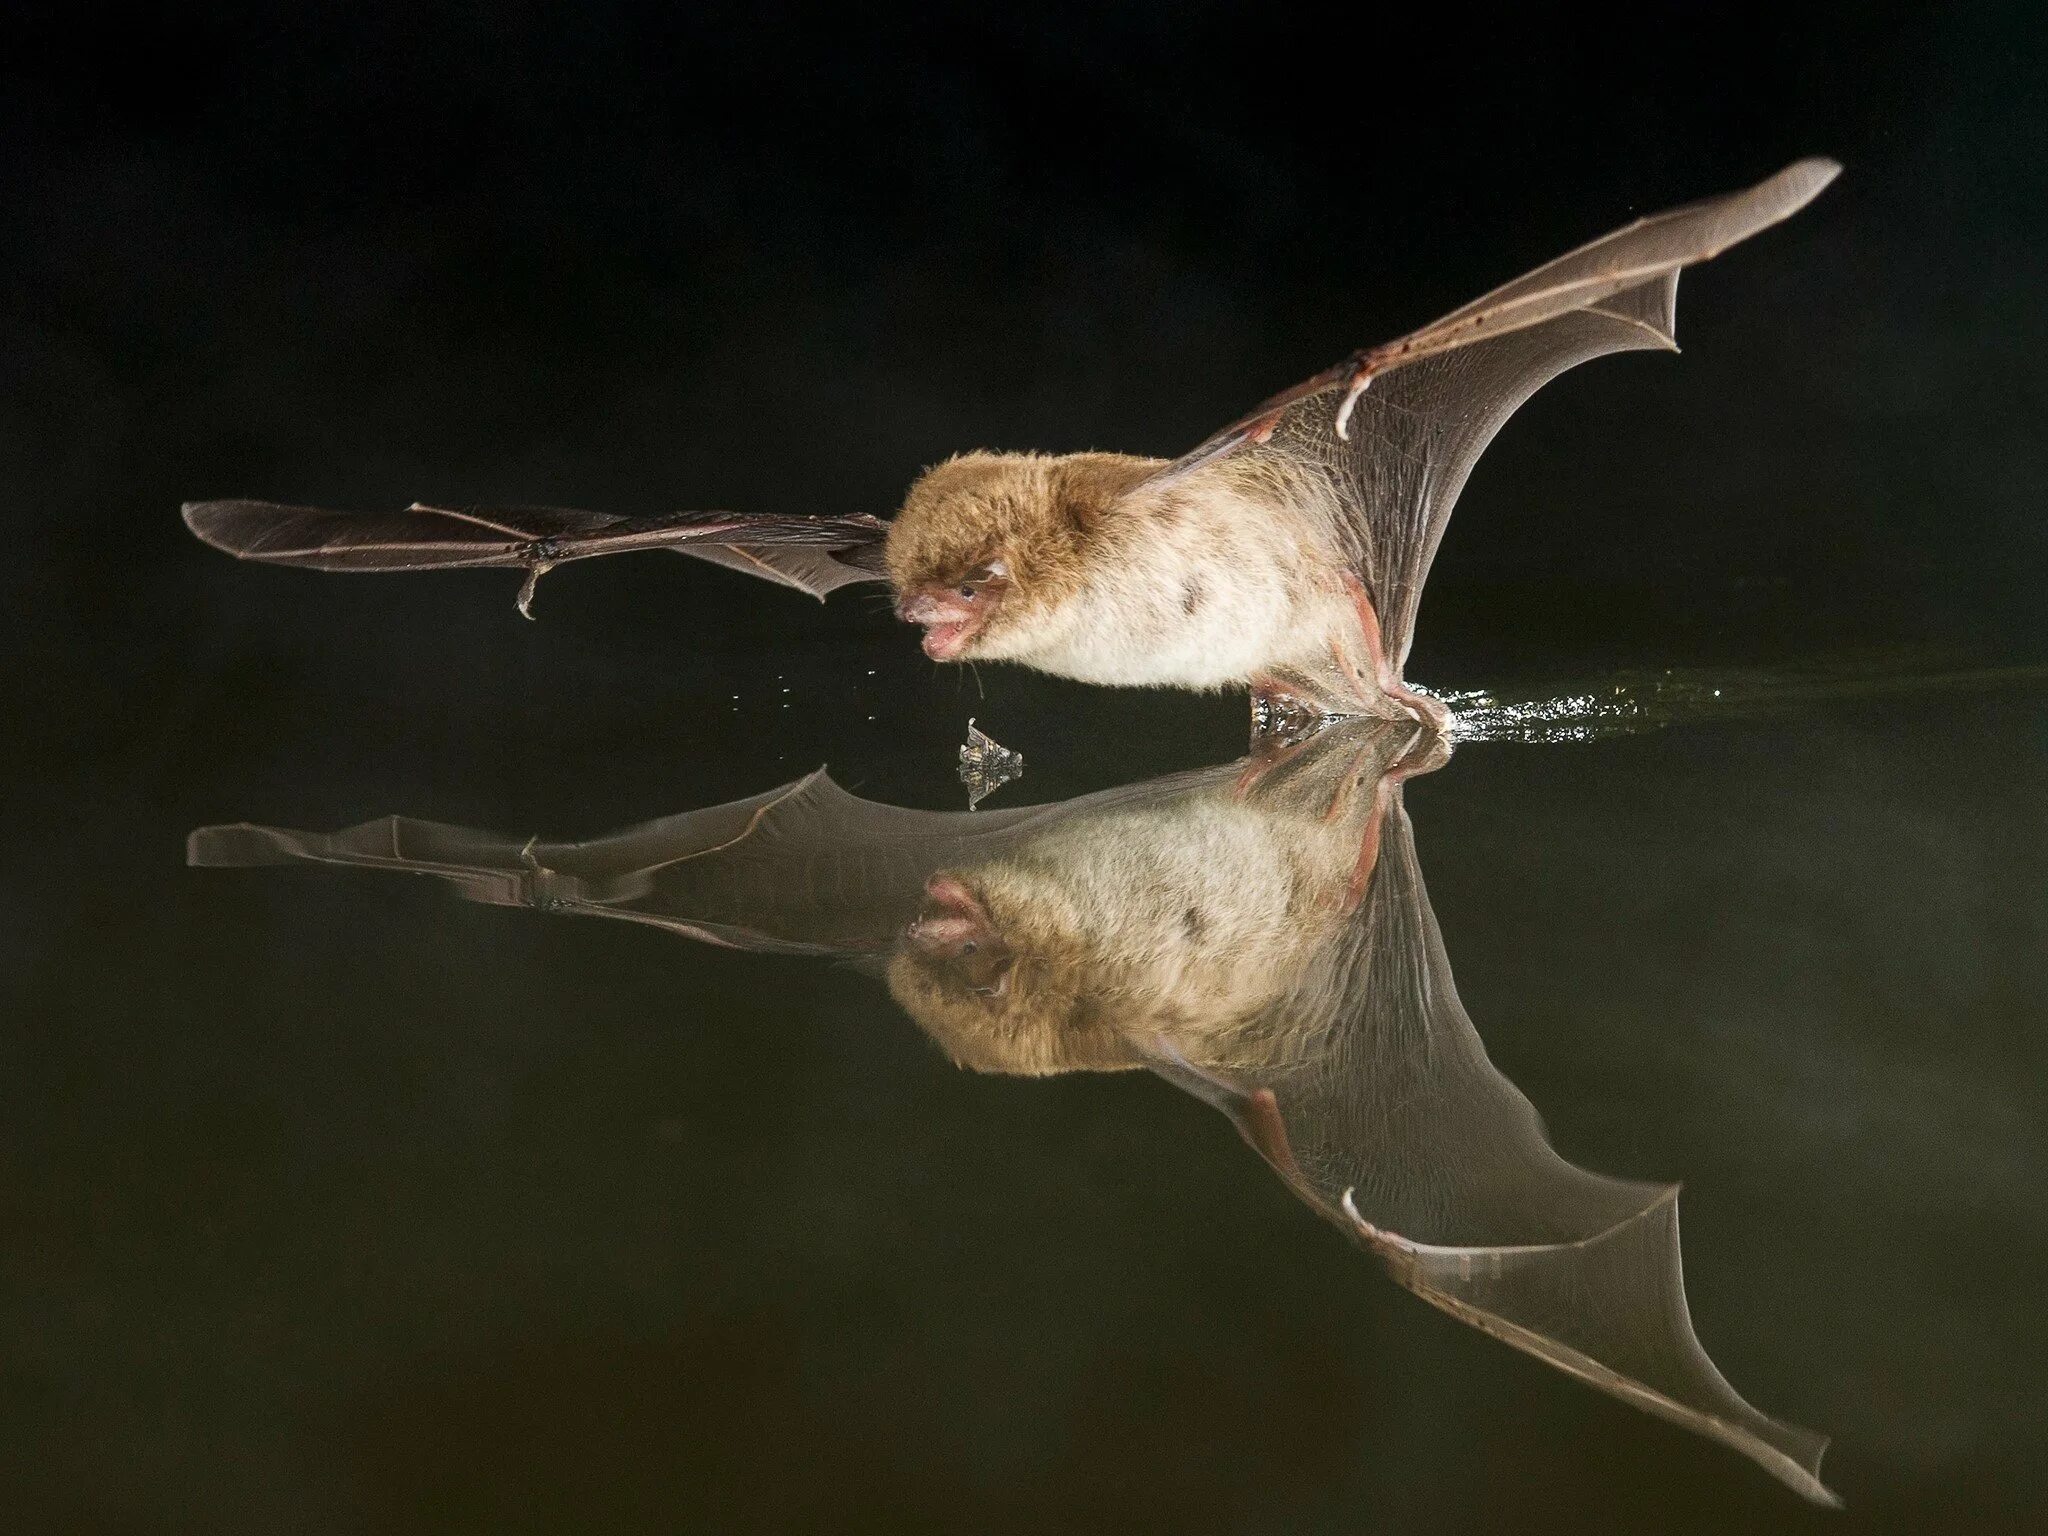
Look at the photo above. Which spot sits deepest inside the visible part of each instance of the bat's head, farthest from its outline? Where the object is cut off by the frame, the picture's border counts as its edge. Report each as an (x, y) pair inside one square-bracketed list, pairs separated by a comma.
[(987, 545), (956, 938), (964, 550)]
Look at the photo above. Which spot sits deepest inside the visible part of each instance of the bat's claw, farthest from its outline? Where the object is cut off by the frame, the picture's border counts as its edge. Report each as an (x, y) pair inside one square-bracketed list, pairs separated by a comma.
[(1364, 367), (1361, 381), (1375, 1236)]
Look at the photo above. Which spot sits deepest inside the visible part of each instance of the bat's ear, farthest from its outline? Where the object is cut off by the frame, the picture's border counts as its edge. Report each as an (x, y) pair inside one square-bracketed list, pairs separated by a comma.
[(959, 942)]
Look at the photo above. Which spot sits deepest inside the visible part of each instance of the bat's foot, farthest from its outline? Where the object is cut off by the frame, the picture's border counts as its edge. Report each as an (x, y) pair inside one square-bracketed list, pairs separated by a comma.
[(1376, 680), (1427, 710), (1284, 719), (1429, 751), (1285, 710)]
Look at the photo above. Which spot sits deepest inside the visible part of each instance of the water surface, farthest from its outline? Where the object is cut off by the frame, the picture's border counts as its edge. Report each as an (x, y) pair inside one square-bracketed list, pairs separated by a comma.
[(345, 1203)]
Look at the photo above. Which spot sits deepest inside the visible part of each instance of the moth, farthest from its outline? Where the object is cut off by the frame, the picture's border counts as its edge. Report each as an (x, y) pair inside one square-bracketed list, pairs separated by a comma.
[(1285, 554), (1256, 934)]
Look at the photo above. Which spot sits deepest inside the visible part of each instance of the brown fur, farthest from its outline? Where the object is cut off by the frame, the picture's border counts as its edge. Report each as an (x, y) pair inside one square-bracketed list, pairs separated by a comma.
[(1185, 922), (1043, 514), (1210, 579)]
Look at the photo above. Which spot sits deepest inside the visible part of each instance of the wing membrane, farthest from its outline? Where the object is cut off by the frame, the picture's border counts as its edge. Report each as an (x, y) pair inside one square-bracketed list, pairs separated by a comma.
[(813, 554), (1395, 430), (1610, 1310)]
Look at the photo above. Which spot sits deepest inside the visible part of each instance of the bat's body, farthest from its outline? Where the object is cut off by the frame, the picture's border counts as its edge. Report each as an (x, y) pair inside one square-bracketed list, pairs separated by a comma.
[(1135, 579), (1286, 554)]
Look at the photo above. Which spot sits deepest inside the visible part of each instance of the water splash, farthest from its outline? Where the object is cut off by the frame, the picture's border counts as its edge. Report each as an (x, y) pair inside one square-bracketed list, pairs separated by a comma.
[(1630, 703), (1477, 715)]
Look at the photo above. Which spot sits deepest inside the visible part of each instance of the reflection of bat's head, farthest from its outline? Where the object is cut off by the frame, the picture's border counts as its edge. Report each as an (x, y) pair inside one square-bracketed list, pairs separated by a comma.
[(1185, 922), (995, 987), (987, 545)]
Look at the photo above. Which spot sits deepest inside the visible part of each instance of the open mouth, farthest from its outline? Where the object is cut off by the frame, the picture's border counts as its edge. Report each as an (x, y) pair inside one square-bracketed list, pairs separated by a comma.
[(944, 641)]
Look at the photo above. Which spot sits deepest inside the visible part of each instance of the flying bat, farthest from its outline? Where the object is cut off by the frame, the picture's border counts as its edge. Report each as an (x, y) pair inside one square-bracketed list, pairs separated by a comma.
[(1257, 934), (1286, 553)]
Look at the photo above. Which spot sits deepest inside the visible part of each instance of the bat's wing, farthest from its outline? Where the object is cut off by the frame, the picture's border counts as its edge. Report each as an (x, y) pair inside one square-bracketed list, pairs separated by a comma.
[(803, 869), (1396, 429), (1397, 1126), (1609, 1309), (806, 868), (812, 554)]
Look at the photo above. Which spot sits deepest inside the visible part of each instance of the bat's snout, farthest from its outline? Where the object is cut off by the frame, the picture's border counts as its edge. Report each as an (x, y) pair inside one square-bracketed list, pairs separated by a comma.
[(928, 607), (949, 617)]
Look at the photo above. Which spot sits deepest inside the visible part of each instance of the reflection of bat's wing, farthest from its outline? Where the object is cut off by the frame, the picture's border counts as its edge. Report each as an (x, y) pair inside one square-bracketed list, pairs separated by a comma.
[(812, 554), (1403, 1106), (1396, 430), (1610, 1310), (1396, 1125), (803, 869)]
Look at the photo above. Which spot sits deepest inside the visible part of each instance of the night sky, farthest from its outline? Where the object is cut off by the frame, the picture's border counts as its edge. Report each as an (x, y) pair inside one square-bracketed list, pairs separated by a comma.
[(723, 256)]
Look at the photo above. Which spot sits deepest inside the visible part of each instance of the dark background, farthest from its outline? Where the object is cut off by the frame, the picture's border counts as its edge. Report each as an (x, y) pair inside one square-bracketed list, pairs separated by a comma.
[(704, 255), (337, 1207)]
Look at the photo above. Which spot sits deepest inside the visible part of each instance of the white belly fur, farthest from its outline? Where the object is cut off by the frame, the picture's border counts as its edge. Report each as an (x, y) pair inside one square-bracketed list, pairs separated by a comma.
[(1205, 595)]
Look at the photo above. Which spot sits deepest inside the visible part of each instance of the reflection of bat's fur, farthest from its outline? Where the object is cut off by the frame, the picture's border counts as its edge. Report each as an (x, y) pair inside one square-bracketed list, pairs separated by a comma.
[(1260, 938), (1189, 920)]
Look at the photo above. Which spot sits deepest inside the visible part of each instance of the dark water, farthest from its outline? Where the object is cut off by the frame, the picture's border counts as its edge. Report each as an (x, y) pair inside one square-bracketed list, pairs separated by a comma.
[(342, 1204)]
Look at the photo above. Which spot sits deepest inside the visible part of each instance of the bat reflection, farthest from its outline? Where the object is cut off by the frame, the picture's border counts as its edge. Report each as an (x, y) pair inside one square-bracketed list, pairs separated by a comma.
[(1258, 934)]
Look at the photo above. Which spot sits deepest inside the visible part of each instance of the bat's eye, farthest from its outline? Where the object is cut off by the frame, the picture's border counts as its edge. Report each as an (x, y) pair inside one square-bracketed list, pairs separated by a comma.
[(981, 576), (970, 947)]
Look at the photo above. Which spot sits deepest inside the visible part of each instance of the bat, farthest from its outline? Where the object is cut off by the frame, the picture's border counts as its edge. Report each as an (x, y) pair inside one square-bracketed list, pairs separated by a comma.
[(1285, 554), (813, 554), (1257, 934)]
